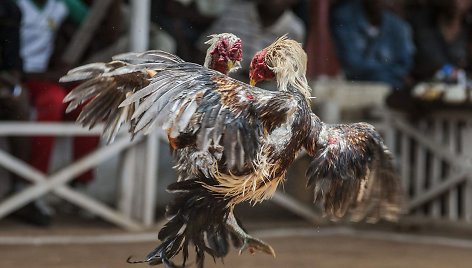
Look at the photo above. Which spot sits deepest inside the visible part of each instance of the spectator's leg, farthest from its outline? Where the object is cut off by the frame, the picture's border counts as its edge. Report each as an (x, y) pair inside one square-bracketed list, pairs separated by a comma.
[(47, 98), (20, 146), (83, 145)]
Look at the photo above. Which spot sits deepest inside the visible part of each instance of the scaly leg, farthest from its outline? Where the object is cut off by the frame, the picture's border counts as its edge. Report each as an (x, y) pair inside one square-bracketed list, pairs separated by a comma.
[(250, 243)]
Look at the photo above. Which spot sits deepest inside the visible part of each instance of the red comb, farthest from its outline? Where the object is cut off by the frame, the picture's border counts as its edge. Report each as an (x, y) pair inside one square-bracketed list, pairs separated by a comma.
[(236, 52), (258, 69)]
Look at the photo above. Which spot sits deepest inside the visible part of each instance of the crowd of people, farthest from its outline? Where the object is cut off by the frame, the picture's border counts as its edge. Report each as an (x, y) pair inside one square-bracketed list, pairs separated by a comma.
[(402, 43), (396, 42), (399, 43)]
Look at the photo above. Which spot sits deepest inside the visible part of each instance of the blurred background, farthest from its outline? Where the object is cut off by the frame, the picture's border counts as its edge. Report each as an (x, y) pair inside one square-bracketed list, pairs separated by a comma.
[(69, 200)]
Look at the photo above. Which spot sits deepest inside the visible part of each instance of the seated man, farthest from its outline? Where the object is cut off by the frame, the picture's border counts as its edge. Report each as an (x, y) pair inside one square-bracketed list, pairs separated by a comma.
[(372, 44), (441, 33)]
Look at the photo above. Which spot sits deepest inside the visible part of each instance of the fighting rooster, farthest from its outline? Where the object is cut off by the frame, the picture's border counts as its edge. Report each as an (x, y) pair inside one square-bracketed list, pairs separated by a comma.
[(351, 169), (110, 83), (246, 138)]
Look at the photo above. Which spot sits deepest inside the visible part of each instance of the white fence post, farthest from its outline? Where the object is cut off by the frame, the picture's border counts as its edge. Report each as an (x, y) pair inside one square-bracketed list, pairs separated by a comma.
[(436, 167), (466, 135)]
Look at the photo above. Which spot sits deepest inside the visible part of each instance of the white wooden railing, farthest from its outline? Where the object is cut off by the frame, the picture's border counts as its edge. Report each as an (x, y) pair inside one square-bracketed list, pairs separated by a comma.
[(134, 209), (434, 155)]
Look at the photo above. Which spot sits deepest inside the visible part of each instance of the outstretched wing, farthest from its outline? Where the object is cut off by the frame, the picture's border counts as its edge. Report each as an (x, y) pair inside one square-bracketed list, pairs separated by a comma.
[(353, 172), (107, 85), (199, 108), (209, 112)]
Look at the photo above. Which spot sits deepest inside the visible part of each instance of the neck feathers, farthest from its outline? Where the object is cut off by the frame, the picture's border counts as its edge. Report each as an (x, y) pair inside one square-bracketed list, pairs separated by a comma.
[(288, 60), (212, 42), (291, 82)]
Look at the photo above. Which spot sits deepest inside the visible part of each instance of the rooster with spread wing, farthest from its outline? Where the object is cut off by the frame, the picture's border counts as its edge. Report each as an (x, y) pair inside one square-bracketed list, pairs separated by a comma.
[(243, 139), (110, 83)]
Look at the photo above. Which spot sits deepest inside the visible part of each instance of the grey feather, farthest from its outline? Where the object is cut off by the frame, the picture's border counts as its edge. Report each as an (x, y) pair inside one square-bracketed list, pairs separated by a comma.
[(87, 89), (152, 88), (78, 76), (187, 115), (149, 56), (203, 139), (95, 67), (162, 98), (219, 125), (166, 117)]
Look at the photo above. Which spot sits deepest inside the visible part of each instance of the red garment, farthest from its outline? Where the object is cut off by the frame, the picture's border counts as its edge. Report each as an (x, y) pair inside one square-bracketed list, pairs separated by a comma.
[(47, 96)]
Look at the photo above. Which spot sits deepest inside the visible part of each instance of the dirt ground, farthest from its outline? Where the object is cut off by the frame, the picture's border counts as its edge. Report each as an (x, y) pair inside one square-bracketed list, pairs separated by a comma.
[(315, 249), (322, 252)]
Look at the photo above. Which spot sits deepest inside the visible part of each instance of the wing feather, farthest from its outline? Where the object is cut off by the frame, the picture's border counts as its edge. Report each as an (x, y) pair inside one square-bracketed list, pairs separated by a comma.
[(97, 111), (150, 56), (79, 98), (184, 118), (203, 140), (352, 172), (127, 73), (221, 118), (205, 109)]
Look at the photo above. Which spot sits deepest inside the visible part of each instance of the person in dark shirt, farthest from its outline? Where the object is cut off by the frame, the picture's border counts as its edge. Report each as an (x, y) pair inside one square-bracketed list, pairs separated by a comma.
[(13, 97), (441, 35), (10, 18), (372, 43)]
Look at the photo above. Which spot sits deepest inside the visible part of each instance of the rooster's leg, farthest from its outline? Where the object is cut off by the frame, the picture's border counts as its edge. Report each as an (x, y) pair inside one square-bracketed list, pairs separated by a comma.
[(250, 243)]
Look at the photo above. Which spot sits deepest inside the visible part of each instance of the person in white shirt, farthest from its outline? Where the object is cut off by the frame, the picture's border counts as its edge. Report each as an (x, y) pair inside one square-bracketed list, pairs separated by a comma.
[(40, 22)]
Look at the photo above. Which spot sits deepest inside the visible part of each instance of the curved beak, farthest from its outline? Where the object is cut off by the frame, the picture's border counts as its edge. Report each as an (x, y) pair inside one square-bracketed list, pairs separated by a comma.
[(252, 82)]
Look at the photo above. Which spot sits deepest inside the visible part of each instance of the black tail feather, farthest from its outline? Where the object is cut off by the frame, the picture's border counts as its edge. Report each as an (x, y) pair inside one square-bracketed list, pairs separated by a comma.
[(196, 216), (218, 241)]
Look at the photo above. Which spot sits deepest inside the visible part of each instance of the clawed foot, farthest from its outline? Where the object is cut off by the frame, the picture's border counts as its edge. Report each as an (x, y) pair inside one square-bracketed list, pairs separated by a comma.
[(252, 245)]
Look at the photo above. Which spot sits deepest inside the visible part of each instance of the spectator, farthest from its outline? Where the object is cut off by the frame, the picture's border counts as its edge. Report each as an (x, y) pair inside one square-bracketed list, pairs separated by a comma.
[(14, 103), (258, 23), (13, 97), (41, 21), (441, 35), (372, 43)]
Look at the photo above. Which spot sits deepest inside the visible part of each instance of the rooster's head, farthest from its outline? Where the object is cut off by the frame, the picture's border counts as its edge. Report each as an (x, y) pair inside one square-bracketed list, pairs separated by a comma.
[(285, 60), (224, 53)]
